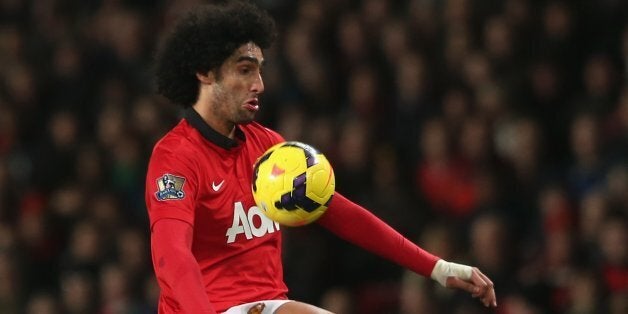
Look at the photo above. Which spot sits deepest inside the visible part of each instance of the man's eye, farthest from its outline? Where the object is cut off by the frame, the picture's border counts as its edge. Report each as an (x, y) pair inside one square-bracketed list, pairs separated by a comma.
[(245, 70)]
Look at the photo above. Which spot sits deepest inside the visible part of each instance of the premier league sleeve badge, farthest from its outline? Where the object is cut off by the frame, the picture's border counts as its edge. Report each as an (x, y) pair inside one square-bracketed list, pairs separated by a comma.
[(170, 187)]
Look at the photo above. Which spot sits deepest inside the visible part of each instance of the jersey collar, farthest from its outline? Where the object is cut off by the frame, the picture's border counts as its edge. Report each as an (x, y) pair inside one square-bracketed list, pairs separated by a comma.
[(197, 122)]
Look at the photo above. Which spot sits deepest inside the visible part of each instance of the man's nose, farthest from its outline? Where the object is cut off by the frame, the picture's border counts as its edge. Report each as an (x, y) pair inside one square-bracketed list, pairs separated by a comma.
[(258, 85)]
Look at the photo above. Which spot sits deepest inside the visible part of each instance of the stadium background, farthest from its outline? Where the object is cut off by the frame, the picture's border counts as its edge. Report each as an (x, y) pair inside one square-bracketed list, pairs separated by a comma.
[(493, 133)]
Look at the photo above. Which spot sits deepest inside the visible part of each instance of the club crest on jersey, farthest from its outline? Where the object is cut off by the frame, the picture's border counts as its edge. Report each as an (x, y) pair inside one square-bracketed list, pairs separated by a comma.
[(170, 187)]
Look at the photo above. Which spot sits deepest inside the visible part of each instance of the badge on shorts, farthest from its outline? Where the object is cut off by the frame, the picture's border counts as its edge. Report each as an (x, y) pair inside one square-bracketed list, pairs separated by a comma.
[(170, 187)]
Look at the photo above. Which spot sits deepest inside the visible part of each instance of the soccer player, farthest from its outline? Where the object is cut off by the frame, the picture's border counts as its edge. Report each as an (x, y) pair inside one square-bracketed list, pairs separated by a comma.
[(213, 250)]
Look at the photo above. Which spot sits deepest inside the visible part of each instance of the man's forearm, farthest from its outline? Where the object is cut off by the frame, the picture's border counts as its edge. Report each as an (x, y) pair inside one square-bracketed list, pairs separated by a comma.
[(360, 227)]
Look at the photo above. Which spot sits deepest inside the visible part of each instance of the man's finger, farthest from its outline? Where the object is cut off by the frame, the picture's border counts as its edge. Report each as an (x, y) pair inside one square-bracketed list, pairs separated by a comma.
[(483, 277), (488, 292), (455, 282), (490, 299)]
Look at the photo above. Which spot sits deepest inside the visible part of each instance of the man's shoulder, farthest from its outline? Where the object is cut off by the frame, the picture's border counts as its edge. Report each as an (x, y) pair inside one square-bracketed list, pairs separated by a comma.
[(256, 129), (177, 140)]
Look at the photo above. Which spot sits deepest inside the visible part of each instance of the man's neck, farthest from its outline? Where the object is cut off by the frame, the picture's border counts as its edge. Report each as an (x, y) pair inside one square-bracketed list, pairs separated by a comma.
[(221, 126)]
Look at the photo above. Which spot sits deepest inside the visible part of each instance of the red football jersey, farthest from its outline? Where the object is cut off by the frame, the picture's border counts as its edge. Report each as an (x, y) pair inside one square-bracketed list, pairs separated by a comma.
[(199, 176)]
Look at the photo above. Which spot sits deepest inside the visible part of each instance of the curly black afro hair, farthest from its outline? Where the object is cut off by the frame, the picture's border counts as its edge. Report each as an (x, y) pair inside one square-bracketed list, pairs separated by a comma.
[(202, 40)]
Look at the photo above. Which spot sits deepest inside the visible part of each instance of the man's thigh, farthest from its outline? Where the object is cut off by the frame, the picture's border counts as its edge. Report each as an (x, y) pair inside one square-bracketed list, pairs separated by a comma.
[(295, 307)]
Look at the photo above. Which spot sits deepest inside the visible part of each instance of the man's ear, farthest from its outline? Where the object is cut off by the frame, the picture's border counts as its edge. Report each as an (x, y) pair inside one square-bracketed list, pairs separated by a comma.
[(206, 78)]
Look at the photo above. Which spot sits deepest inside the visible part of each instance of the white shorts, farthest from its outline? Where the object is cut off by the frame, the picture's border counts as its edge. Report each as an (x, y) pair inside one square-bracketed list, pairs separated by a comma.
[(271, 307)]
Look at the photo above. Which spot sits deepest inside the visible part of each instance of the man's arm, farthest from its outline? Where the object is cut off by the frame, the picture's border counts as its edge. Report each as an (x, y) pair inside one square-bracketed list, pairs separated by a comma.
[(171, 244), (360, 227)]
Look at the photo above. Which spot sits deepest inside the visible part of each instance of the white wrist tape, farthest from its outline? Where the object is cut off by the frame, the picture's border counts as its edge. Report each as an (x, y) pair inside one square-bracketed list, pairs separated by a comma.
[(444, 269)]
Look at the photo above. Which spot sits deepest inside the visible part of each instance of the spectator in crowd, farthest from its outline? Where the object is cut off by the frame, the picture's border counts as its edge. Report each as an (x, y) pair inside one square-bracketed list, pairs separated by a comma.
[(524, 105)]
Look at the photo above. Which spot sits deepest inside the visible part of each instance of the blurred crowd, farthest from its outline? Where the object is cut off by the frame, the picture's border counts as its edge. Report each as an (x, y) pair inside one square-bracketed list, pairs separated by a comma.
[(492, 133)]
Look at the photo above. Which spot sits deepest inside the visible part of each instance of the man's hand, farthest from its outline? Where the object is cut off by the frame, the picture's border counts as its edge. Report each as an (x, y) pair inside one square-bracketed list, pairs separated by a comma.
[(470, 279), (256, 309), (479, 286)]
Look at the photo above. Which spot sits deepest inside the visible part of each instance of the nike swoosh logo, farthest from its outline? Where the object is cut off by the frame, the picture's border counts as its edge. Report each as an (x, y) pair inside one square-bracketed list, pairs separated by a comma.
[(217, 187)]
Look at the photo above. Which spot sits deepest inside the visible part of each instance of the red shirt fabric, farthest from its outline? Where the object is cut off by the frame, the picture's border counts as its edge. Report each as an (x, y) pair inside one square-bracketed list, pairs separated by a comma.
[(200, 177)]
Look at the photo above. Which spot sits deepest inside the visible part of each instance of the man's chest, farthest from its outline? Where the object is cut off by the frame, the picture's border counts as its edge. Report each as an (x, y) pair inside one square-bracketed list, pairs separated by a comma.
[(225, 203)]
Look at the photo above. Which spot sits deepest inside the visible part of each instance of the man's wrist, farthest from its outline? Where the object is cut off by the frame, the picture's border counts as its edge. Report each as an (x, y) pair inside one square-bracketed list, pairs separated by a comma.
[(444, 269)]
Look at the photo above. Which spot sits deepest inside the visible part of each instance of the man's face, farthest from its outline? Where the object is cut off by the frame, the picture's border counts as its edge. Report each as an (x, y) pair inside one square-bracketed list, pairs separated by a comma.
[(238, 85)]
